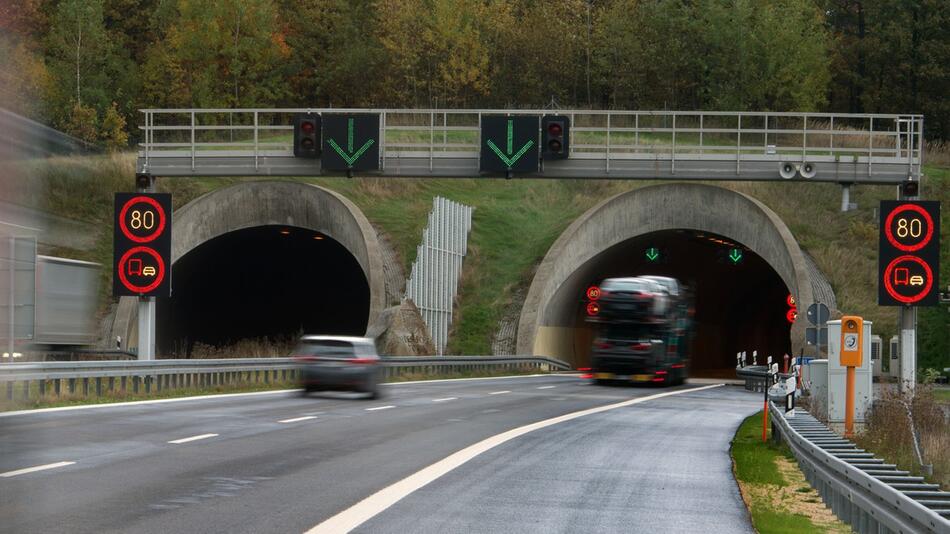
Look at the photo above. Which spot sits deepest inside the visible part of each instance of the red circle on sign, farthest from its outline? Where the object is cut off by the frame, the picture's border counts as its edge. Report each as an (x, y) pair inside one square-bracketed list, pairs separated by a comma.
[(593, 292), (791, 315), (890, 287), (158, 278), (790, 300), (593, 308), (893, 240), (158, 210)]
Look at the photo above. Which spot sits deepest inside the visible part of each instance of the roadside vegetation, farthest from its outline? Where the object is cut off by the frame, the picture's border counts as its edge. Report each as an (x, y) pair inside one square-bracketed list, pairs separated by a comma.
[(775, 491), (888, 432)]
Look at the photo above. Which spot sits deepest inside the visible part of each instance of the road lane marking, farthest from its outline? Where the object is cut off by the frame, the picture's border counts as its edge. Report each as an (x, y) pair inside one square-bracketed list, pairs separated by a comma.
[(445, 399), (193, 438), (34, 469), (546, 387), (378, 502), (499, 392), (380, 408), (296, 419)]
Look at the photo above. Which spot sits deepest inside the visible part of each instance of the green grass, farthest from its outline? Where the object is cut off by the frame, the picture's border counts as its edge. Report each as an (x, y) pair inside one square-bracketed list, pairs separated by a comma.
[(942, 394), (755, 460), (761, 480)]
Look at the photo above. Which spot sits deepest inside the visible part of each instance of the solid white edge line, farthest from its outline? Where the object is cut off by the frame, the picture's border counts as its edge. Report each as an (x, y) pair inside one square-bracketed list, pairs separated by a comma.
[(546, 387), (248, 394), (445, 399), (295, 419), (378, 502), (499, 392), (380, 408), (192, 438), (34, 469)]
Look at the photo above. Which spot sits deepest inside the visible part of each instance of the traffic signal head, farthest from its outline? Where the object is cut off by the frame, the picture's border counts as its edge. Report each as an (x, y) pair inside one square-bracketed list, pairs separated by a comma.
[(910, 189), (307, 135), (555, 134)]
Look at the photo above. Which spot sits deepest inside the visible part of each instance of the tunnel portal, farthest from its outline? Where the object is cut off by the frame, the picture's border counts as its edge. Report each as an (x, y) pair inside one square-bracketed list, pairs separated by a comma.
[(263, 282), (691, 228), (739, 300)]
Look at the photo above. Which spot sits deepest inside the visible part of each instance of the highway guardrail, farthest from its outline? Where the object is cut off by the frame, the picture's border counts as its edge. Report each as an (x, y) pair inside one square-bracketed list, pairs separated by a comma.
[(29, 380), (862, 490)]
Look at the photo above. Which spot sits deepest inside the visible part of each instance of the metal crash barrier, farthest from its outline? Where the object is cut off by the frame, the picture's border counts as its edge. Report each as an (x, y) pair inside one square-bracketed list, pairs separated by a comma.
[(26, 381)]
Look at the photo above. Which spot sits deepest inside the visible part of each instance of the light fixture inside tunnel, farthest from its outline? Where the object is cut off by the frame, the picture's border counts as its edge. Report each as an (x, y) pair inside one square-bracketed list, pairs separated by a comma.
[(284, 231), (318, 237)]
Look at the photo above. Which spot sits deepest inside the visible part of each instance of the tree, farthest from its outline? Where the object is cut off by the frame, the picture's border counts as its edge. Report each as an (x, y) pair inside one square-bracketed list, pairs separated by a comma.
[(78, 47), (228, 53), (81, 123), (112, 132)]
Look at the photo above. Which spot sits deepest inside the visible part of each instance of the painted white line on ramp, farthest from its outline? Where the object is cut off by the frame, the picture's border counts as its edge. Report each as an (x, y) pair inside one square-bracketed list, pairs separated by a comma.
[(192, 438), (499, 392), (445, 399), (380, 408), (378, 502), (34, 469), (296, 419), (546, 387)]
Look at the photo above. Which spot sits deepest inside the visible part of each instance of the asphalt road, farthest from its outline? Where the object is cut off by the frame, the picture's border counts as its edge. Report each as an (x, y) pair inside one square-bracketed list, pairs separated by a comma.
[(280, 463)]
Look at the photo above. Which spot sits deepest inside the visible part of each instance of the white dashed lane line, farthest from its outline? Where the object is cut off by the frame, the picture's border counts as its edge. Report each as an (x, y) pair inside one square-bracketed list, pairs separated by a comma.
[(445, 399), (546, 387), (499, 392), (379, 408), (34, 469), (296, 419), (192, 438)]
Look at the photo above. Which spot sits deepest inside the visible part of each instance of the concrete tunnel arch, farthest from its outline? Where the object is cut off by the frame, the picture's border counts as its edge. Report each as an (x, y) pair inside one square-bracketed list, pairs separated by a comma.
[(548, 325), (248, 206)]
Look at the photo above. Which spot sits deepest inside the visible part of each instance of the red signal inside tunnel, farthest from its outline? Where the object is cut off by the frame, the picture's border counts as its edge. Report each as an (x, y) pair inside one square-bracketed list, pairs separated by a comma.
[(266, 282), (737, 305)]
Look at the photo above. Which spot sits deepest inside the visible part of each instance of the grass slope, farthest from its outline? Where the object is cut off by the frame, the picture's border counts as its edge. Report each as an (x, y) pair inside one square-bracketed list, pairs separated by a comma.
[(516, 221)]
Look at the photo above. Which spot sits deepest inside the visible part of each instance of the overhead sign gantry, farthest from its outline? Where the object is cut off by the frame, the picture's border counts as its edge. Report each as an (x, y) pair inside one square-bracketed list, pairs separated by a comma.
[(688, 145)]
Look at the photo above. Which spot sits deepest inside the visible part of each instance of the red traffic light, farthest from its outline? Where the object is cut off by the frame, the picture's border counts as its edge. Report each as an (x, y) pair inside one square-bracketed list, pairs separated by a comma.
[(307, 127), (555, 128)]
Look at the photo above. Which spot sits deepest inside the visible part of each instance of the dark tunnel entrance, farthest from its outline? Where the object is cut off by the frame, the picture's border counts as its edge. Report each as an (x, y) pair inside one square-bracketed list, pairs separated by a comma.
[(740, 303), (263, 282)]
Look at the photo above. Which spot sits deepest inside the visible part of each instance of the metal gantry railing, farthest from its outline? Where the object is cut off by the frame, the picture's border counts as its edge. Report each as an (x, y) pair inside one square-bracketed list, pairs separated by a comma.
[(709, 145), (862, 490), (433, 282)]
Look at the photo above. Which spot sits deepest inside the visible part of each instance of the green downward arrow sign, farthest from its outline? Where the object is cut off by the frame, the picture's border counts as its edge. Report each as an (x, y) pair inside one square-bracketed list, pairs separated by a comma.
[(348, 155), (735, 255), (508, 157), (652, 254)]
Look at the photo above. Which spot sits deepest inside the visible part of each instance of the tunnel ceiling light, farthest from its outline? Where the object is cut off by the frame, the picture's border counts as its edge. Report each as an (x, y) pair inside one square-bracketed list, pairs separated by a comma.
[(318, 237), (285, 232)]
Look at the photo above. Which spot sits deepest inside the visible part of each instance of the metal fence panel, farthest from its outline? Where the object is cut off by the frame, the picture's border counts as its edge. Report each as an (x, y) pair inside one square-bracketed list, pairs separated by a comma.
[(433, 282)]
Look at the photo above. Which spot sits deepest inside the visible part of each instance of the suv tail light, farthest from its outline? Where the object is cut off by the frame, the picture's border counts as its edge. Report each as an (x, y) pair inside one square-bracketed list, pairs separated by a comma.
[(364, 361)]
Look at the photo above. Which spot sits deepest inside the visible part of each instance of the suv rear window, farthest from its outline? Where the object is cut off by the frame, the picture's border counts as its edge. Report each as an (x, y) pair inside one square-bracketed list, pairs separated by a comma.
[(628, 285), (326, 348)]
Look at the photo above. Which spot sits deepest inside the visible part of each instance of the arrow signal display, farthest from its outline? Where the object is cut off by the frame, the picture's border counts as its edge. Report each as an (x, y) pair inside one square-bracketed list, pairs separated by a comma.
[(509, 144), (350, 142)]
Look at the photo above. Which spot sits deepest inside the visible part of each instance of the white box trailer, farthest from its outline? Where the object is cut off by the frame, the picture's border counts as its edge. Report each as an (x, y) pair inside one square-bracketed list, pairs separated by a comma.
[(66, 301)]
